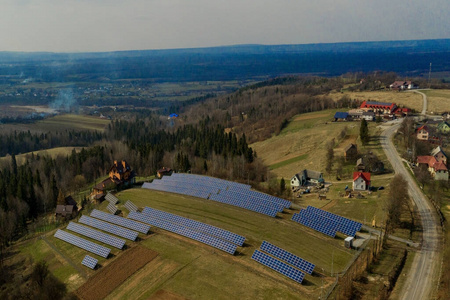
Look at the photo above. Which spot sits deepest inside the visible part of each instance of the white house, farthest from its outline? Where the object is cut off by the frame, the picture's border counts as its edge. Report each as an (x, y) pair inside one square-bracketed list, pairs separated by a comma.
[(361, 181)]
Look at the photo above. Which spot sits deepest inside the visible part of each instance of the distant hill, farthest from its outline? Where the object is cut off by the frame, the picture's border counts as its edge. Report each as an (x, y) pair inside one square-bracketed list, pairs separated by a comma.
[(409, 58)]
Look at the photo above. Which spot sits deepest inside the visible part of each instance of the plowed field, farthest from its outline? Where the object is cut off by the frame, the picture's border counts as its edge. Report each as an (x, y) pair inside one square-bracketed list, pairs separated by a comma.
[(110, 277)]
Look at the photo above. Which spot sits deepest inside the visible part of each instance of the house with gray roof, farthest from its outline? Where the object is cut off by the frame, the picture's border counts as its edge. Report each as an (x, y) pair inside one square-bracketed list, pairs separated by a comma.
[(305, 178)]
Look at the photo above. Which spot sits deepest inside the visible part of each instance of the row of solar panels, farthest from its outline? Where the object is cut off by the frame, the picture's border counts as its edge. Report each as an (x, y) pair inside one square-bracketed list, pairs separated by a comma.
[(196, 225), (256, 207), (244, 198), (105, 225), (185, 231), (211, 184), (211, 180), (235, 199), (326, 222)]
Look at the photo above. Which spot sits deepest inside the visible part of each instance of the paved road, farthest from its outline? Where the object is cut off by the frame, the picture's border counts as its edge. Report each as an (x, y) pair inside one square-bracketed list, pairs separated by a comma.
[(426, 264)]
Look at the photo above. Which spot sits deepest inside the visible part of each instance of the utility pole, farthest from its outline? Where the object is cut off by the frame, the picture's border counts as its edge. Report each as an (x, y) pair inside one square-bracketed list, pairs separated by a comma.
[(429, 77)]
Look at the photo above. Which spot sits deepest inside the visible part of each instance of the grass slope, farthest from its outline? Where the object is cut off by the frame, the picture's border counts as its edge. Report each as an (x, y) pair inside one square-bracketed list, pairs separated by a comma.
[(54, 152)]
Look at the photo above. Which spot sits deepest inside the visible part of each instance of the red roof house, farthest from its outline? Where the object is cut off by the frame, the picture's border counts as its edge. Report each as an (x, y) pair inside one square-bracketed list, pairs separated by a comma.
[(361, 181)]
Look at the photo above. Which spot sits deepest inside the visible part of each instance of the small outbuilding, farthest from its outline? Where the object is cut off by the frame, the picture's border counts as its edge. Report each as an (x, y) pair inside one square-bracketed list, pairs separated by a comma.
[(350, 152), (341, 116)]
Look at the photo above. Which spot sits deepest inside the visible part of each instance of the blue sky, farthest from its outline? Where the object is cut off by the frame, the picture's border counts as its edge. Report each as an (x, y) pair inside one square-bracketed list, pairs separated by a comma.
[(109, 25)]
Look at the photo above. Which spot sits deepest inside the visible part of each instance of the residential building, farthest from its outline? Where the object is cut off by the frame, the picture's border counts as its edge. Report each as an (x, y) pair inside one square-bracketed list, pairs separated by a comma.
[(306, 177), (439, 155), (443, 127), (361, 181), (437, 169), (423, 133)]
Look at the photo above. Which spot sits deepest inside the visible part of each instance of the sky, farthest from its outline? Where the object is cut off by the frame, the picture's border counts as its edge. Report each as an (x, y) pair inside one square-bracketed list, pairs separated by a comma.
[(111, 25)]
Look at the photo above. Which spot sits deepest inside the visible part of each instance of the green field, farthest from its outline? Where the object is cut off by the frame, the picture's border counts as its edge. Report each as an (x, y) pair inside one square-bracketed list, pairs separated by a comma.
[(59, 123)]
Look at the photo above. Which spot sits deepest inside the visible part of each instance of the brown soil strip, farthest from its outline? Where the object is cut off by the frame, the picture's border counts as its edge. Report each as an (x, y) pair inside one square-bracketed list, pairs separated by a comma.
[(110, 277), (165, 295)]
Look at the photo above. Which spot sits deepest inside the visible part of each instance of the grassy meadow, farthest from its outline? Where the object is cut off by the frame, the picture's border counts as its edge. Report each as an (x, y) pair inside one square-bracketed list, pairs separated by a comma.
[(302, 144), (438, 101), (54, 152)]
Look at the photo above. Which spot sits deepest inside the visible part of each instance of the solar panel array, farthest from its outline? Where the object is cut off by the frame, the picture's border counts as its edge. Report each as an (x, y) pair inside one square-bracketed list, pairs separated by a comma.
[(269, 211), (96, 235), (287, 257), (196, 225), (82, 243), (120, 221), (111, 198), (130, 206), (344, 225), (314, 224), (89, 262), (112, 208), (111, 228), (220, 190), (278, 266), (184, 231)]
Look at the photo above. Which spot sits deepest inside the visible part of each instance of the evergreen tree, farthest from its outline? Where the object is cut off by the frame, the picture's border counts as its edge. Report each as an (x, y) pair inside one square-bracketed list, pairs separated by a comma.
[(364, 132), (282, 186)]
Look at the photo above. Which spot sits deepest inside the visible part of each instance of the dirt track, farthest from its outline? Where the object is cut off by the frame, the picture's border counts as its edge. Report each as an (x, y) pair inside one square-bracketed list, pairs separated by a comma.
[(110, 277)]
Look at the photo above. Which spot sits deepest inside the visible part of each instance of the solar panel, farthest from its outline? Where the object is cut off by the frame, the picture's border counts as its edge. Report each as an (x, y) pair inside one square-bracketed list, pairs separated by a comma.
[(96, 235), (287, 257), (220, 190), (82, 243), (89, 262), (130, 206), (184, 231), (344, 225), (278, 266), (196, 225), (112, 208), (111, 228), (120, 221), (314, 224), (111, 198)]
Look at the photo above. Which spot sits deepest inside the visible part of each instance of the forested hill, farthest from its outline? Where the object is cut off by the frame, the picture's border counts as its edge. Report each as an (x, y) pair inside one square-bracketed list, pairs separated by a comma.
[(260, 110), (230, 63)]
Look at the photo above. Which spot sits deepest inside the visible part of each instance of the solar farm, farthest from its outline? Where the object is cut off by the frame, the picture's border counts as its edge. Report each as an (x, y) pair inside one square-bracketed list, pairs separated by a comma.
[(221, 248)]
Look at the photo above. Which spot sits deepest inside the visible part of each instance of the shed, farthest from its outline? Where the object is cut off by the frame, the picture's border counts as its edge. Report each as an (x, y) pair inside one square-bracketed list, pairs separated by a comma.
[(348, 242), (350, 152)]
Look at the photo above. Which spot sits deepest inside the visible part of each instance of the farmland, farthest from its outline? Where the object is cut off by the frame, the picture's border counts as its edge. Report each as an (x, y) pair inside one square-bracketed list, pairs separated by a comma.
[(59, 123)]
